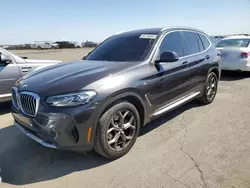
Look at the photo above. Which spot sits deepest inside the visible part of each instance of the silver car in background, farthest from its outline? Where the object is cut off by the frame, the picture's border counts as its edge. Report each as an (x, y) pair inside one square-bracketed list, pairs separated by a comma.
[(235, 53), (13, 67)]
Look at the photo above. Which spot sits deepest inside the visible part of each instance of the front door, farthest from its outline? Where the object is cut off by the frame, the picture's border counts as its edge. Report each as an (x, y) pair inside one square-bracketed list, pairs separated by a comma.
[(9, 74), (171, 78)]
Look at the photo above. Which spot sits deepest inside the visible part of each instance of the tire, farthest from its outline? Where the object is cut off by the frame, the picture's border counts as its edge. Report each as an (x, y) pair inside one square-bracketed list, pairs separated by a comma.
[(208, 96), (118, 141), (39, 48)]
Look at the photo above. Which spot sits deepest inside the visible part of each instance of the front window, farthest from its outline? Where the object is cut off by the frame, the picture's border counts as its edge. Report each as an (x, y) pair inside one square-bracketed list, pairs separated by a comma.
[(173, 42), (127, 47), (241, 43)]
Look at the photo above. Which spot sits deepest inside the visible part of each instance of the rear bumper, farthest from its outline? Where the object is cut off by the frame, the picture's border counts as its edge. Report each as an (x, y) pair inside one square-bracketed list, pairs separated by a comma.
[(243, 65)]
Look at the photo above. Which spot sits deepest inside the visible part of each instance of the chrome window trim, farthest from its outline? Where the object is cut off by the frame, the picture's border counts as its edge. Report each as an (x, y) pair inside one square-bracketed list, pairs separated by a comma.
[(157, 46)]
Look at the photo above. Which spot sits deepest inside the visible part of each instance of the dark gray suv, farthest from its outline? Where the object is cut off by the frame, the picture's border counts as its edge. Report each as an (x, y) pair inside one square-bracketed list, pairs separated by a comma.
[(128, 80)]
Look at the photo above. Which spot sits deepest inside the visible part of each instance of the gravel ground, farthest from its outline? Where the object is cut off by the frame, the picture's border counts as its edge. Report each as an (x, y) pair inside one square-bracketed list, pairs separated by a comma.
[(194, 146), (58, 54)]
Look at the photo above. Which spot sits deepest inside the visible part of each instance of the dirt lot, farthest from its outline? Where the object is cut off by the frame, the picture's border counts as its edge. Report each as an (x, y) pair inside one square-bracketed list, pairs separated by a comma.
[(193, 146), (60, 54)]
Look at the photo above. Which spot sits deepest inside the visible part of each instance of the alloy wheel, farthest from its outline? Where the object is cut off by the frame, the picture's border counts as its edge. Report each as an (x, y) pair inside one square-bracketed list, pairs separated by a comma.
[(211, 88), (121, 130)]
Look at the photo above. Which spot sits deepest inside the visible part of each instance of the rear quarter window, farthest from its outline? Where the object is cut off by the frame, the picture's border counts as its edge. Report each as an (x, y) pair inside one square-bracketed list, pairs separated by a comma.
[(205, 41)]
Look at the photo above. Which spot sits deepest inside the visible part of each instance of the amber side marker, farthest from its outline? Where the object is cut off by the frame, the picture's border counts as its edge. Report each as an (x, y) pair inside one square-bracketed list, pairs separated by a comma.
[(89, 134)]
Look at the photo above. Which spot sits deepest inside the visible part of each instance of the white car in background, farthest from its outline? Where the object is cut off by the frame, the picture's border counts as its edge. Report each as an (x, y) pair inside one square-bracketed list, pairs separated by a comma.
[(44, 45), (235, 53)]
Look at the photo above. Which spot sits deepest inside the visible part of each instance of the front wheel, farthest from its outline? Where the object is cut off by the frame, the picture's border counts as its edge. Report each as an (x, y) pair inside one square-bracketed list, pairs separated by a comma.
[(210, 89), (117, 130)]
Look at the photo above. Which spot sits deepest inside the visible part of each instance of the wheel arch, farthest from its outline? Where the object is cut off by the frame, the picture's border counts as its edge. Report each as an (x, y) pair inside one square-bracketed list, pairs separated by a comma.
[(130, 96), (216, 71)]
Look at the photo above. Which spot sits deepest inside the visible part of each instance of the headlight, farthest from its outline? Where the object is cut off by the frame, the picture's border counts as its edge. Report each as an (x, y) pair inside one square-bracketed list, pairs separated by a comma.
[(71, 99)]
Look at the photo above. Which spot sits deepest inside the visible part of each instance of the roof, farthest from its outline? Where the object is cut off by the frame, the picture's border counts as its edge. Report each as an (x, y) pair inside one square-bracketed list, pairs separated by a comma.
[(156, 31), (139, 31)]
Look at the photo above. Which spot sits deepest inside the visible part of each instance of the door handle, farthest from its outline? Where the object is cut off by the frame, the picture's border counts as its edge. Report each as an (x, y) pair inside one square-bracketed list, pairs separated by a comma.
[(207, 56), (185, 63), (26, 69)]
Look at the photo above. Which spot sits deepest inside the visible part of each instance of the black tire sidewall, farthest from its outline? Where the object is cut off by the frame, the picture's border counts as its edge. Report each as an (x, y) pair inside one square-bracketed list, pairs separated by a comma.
[(104, 124)]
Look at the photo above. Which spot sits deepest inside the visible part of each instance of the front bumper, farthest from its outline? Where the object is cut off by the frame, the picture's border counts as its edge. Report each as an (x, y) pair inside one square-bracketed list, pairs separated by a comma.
[(34, 137), (58, 130)]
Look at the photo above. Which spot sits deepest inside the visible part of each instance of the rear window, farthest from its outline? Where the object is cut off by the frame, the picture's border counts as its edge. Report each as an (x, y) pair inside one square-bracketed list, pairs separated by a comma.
[(241, 43)]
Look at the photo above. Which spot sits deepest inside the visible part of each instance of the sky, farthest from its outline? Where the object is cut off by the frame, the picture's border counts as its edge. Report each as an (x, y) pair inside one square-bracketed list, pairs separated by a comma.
[(26, 21)]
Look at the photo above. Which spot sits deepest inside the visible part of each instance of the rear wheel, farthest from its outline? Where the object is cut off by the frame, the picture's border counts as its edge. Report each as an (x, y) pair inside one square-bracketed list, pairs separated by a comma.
[(117, 130), (210, 89), (39, 48)]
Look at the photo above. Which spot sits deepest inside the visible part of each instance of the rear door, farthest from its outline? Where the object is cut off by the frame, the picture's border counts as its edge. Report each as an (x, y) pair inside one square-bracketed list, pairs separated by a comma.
[(9, 74), (198, 58)]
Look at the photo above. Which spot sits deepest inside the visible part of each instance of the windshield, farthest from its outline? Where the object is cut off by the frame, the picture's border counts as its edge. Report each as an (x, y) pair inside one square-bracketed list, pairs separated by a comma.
[(132, 47), (233, 43)]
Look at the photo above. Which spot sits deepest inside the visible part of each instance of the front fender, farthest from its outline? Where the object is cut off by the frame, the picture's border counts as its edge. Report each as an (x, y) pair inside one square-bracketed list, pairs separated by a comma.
[(111, 99)]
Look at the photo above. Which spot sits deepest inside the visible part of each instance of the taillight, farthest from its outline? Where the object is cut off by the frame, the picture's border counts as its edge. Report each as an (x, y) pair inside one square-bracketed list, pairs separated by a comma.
[(245, 54)]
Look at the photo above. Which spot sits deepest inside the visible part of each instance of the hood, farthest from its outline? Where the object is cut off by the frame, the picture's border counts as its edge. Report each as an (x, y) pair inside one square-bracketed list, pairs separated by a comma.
[(69, 77)]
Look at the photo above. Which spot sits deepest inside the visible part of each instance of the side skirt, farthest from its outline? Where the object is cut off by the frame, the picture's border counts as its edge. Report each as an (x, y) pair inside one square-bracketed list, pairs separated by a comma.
[(175, 104)]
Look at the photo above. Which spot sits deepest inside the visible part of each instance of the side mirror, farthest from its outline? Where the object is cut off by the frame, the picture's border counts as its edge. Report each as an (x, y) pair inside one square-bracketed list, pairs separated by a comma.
[(5, 59), (167, 57)]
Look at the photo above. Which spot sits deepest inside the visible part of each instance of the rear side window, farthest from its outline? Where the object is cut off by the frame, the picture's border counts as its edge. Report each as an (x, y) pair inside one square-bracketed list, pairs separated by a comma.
[(173, 42), (191, 43), (241, 43), (205, 41), (202, 48)]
